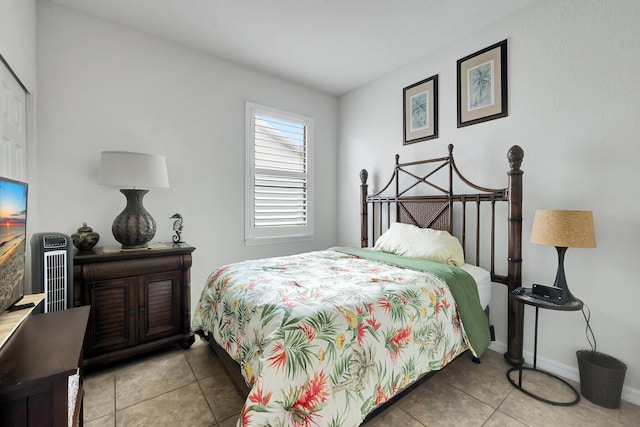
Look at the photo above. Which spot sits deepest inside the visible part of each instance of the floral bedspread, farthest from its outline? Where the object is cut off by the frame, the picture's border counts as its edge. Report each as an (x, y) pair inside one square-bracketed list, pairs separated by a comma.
[(324, 337)]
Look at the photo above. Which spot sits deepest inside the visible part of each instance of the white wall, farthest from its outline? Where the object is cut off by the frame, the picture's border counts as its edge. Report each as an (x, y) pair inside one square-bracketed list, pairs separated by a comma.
[(18, 39), (573, 107), (102, 86)]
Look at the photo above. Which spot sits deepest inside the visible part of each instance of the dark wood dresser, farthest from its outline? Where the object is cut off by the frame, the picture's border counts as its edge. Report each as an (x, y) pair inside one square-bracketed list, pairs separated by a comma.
[(140, 300), (36, 365)]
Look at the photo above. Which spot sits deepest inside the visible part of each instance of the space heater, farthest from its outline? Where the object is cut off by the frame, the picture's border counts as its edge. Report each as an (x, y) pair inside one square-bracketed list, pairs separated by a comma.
[(52, 270)]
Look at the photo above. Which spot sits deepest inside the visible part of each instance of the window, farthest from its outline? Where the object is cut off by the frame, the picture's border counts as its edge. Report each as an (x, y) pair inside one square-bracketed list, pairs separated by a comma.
[(279, 178)]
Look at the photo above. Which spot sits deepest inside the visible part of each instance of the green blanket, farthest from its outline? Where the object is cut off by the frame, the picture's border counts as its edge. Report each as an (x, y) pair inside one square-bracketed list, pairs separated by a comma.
[(461, 284)]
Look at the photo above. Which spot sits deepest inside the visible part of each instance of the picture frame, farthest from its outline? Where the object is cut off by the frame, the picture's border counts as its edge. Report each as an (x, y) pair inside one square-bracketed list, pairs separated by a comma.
[(482, 85), (420, 110)]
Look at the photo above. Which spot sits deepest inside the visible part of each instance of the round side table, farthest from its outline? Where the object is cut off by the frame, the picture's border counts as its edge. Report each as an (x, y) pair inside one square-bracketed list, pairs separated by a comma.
[(526, 298)]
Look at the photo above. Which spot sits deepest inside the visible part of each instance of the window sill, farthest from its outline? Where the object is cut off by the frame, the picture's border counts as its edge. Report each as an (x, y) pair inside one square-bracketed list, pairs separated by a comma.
[(275, 240)]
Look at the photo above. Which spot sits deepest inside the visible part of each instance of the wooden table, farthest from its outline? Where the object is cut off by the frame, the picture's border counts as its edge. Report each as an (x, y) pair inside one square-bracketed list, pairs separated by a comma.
[(39, 364), (11, 320)]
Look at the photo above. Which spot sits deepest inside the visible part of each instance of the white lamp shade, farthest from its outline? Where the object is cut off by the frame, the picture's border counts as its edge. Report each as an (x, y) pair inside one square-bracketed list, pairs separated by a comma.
[(126, 169)]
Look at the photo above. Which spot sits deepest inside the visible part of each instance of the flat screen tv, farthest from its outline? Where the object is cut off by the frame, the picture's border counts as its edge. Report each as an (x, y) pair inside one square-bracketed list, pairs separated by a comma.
[(13, 246)]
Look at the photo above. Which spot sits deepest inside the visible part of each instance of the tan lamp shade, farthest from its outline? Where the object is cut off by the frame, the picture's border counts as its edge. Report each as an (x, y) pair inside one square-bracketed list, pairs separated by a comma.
[(569, 229)]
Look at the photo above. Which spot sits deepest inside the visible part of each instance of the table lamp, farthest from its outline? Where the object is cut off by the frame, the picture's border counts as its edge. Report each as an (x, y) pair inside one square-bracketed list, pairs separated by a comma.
[(134, 173), (563, 229)]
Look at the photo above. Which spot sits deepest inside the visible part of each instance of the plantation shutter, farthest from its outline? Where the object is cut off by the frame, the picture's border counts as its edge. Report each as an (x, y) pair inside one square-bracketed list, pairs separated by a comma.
[(278, 179), (280, 195)]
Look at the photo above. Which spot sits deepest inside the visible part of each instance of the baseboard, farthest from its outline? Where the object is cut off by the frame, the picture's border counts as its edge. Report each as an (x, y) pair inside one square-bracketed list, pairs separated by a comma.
[(498, 347), (629, 394)]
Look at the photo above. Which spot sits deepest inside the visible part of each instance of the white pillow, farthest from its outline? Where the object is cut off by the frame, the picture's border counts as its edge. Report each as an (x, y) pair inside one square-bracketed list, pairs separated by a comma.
[(411, 241)]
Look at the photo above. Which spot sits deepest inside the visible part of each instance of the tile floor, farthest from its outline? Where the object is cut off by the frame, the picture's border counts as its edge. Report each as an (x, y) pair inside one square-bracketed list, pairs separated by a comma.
[(190, 388)]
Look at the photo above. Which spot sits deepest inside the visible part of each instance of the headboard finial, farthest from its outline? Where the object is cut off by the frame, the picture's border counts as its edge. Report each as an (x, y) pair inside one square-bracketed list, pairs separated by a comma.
[(363, 176), (397, 159), (450, 146), (515, 156)]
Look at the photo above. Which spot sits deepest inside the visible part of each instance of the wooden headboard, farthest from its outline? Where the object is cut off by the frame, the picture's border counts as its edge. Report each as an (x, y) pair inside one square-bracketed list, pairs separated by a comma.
[(401, 200)]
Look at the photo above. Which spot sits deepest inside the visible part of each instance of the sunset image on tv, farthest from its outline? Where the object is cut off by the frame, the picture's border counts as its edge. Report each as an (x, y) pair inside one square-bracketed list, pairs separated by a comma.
[(13, 221)]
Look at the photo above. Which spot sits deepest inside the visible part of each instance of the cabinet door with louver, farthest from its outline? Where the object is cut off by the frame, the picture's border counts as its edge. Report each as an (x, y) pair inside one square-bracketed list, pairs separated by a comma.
[(112, 324), (159, 305)]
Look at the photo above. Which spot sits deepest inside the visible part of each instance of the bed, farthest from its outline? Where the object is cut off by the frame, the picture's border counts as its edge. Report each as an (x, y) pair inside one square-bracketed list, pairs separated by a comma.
[(330, 337)]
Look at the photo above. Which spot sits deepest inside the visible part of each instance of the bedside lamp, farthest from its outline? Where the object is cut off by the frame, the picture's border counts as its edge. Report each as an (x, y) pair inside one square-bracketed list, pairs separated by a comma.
[(563, 229), (134, 173)]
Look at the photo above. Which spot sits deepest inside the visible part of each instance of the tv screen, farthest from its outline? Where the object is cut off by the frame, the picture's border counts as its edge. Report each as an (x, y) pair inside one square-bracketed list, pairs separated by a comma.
[(13, 232)]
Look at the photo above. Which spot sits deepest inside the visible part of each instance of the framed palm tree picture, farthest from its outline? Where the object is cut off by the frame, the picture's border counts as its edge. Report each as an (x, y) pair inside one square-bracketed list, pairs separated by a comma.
[(482, 85), (420, 110)]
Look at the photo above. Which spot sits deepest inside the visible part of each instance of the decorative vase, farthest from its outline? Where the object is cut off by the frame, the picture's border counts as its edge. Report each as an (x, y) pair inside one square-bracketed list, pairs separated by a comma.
[(134, 227), (85, 238)]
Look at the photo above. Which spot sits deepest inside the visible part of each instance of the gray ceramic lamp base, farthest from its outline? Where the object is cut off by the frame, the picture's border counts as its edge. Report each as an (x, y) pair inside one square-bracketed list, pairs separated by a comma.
[(134, 227)]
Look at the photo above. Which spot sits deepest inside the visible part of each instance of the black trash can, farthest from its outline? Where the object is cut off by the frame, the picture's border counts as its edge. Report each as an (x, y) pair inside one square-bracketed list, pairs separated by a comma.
[(601, 378)]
